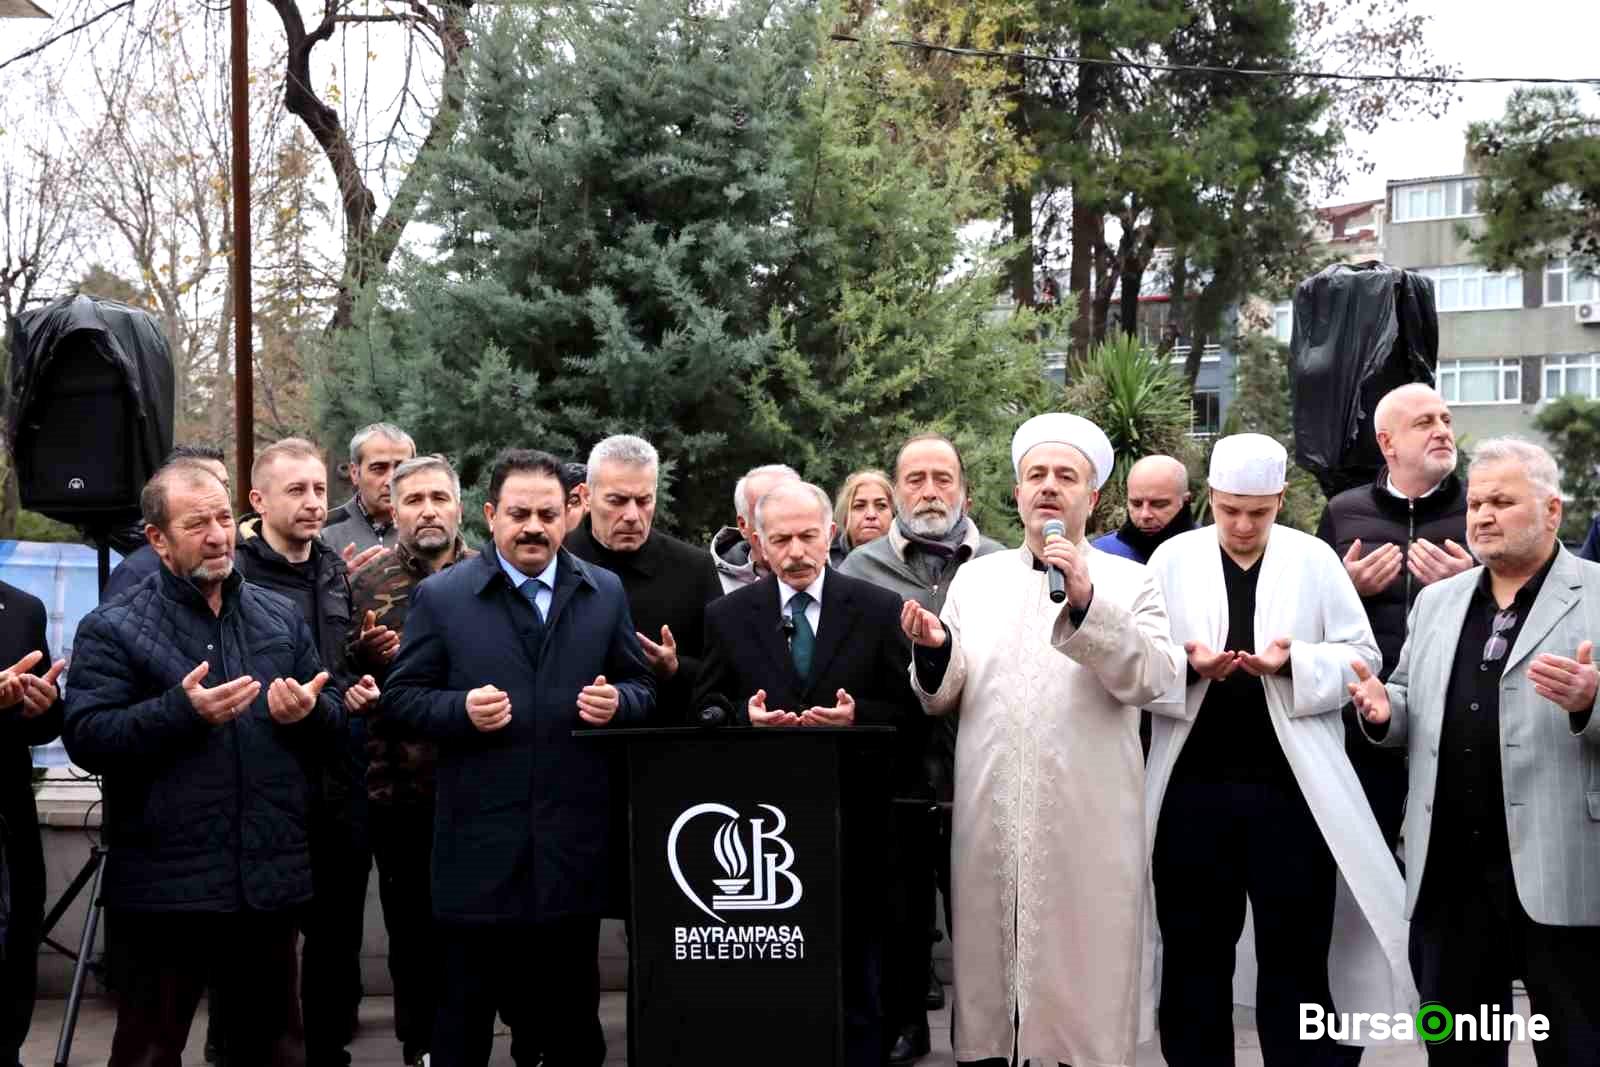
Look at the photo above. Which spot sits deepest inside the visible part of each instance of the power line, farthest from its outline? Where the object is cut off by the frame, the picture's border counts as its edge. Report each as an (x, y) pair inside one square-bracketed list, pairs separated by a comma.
[(1250, 72)]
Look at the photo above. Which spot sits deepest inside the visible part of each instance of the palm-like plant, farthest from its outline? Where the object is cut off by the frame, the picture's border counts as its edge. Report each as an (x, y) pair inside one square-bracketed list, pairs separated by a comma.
[(1141, 403)]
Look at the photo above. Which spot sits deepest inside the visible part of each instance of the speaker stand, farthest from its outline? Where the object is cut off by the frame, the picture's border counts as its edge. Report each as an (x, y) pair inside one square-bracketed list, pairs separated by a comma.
[(93, 868)]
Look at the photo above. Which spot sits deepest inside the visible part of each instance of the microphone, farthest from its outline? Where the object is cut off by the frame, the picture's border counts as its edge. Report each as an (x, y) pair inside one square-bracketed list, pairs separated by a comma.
[(717, 712), (787, 627), (1058, 581)]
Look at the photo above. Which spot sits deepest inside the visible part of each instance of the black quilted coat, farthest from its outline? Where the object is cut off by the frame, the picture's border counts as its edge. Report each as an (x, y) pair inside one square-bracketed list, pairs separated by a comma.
[(198, 818)]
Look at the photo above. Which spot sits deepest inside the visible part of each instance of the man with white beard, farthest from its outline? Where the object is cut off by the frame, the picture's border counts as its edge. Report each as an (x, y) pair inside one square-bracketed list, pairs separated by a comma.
[(928, 542)]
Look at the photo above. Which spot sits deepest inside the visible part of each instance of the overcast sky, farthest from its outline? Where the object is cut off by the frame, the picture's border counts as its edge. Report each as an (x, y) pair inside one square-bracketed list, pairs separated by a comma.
[(1546, 38), (1493, 38)]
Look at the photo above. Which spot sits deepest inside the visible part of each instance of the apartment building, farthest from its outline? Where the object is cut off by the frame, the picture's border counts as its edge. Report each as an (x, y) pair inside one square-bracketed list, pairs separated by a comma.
[(1508, 340)]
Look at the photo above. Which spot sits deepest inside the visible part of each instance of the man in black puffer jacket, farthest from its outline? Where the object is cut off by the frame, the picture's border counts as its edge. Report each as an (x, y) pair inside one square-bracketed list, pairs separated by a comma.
[(279, 549), (1404, 531), (199, 699)]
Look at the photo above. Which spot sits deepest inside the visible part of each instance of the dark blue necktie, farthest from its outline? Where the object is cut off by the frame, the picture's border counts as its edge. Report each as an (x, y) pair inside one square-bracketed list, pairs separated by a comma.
[(530, 590)]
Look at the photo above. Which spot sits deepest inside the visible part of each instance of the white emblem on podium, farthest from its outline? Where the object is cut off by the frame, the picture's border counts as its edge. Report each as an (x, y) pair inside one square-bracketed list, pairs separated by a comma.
[(755, 875)]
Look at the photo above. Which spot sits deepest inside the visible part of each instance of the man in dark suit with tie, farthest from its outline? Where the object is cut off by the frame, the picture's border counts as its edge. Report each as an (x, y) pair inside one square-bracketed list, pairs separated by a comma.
[(503, 657), (807, 646)]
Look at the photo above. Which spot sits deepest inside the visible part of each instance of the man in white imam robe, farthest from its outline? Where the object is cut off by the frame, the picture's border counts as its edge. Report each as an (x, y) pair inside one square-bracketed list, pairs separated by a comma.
[(1308, 626), (1048, 852)]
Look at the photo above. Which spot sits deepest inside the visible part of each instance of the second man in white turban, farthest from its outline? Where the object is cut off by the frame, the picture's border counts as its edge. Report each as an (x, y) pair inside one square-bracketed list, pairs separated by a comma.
[(1250, 795)]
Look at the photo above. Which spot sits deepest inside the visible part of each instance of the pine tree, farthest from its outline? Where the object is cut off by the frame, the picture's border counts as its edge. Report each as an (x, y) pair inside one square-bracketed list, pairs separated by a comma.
[(1541, 197), (609, 218), (294, 297), (726, 234), (891, 324)]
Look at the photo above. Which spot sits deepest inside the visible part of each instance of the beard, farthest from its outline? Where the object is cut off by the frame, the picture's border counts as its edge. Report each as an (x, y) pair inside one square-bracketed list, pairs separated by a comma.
[(1438, 468), (431, 540), (932, 523), (1522, 546), (214, 570)]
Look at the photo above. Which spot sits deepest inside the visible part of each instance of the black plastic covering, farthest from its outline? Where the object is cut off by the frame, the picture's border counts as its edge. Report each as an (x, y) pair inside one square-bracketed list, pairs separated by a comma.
[(1359, 331), (133, 425)]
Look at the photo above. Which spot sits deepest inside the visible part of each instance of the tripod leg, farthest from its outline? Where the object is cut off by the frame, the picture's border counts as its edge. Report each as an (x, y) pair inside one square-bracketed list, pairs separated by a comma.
[(90, 867), (80, 970)]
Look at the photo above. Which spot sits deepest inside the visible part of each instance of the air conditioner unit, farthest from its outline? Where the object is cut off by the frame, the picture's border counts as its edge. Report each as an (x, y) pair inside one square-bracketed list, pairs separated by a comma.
[(1587, 314)]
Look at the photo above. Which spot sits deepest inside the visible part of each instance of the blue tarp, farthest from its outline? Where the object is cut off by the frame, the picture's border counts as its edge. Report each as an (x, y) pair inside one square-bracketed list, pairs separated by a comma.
[(64, 577)]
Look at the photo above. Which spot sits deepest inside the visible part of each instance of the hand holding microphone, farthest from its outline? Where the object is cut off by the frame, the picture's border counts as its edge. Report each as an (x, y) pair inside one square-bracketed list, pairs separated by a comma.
[(1066, 570)]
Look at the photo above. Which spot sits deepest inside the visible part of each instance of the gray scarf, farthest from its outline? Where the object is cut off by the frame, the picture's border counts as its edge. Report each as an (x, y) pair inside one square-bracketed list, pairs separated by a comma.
[(929, 556)]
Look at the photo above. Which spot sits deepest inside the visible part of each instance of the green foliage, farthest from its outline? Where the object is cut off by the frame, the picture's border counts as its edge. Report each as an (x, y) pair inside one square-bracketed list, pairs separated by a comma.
[(1142, 405), (1541, 197), (607, 217), (1261, 404), (729, 235), (31, 526), (292, 301), (1572, 423), (880, 338)]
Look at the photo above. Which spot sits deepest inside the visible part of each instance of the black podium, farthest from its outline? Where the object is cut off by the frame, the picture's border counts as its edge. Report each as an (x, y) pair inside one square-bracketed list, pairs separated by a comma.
[(737, 841)]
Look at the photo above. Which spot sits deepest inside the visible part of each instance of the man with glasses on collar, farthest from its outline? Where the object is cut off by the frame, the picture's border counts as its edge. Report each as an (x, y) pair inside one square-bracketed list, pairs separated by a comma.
[(1493, 699)]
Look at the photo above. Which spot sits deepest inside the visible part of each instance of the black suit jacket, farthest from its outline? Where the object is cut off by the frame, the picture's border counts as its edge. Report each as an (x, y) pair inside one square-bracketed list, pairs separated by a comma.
[(669, 583), (860, 649), (22, 630)]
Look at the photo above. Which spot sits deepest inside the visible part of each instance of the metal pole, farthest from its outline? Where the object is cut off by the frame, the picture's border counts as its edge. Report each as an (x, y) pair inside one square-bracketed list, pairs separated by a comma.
[(243, 364), (80, 971)]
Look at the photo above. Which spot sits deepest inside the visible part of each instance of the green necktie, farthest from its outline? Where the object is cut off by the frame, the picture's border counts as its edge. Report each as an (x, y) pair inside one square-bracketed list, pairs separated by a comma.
[(804, 641)]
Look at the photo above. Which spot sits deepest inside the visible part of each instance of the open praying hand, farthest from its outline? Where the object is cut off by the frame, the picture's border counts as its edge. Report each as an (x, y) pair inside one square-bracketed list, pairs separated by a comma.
[(756, 708), (1568, 683), (843, 713)]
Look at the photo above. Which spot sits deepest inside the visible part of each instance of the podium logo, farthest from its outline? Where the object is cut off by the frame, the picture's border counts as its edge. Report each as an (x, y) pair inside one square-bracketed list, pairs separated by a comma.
[(755, 862)]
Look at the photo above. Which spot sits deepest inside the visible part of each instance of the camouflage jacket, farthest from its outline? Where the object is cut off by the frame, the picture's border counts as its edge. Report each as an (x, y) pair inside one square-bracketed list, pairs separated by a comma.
[(400, 770)]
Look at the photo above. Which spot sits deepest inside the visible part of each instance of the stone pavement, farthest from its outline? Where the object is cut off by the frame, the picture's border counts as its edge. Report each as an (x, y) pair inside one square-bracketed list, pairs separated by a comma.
[(376, 1045)]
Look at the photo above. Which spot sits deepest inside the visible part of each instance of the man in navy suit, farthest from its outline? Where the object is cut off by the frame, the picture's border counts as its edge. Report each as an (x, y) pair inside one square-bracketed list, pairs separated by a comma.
[(807, 646), (503, 657)]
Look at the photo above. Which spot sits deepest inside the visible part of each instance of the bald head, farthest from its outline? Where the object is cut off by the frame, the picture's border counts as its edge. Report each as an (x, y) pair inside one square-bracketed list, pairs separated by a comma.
[(1396, 404), (1158, 488), (1415, 435)]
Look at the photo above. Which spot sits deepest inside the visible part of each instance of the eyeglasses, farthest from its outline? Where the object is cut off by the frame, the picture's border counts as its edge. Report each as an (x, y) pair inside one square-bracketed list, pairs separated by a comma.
[(1496, 647)]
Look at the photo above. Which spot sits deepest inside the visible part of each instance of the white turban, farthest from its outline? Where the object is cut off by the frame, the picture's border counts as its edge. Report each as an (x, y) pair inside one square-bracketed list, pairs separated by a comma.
[(1248, 464), (1059, 428)]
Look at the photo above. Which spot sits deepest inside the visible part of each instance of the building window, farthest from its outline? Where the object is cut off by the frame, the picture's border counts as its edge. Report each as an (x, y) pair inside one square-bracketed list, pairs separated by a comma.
[(1055, 367), (1436, 200), (1480, 381), (1205, 413), (1283, 322), (1564, 283), (1470, 287), (1571, 375)]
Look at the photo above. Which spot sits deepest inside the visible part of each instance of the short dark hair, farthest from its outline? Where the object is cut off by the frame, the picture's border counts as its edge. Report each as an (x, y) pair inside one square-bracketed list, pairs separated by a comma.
[(153, 499), (918, 438), (573, 475), (521, 461), (206, 453)]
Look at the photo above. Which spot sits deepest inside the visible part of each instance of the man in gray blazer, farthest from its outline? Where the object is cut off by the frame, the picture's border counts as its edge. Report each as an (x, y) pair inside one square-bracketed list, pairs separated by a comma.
[(1494, 697)]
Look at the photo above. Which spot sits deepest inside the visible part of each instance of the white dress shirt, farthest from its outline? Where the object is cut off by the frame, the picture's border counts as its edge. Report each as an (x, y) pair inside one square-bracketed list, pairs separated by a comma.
[(547, 583), (814, 590)]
